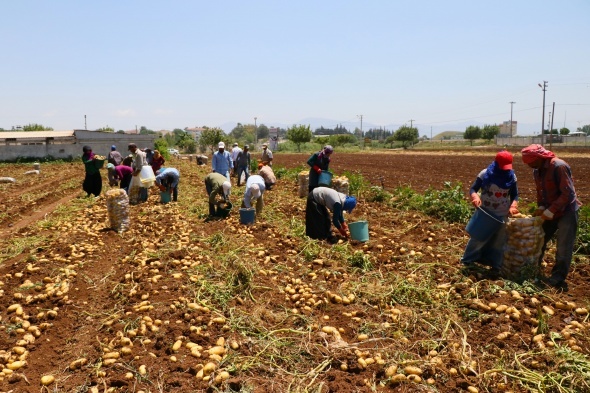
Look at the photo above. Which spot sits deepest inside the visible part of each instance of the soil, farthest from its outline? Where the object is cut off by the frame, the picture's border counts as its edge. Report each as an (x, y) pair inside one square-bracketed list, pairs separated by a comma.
[(86, 291)]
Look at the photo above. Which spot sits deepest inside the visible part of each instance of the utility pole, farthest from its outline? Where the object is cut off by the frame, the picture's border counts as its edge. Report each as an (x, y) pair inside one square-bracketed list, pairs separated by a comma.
[(551, 126), (85, 127), (361, 117), (511, 105), (544, 87), (411, 122), (255, 132)]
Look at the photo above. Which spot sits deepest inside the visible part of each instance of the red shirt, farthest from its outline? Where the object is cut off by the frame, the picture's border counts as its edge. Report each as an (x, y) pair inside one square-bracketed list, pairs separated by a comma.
[(157, 163), (555, 187)]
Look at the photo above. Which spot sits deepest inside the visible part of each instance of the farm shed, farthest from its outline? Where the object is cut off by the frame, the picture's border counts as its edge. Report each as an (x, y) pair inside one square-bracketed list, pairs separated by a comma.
[(65, 144)]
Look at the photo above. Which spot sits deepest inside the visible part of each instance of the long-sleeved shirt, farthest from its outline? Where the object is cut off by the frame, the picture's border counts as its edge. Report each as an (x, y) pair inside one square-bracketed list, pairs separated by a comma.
[(495, 199), (267, 174), (266, 156), (555, 187), (323, 163), (333, 201), (243, 159), (170, 176), (214, 183), (114, 157), (254, 179), (139, 160), (221, 162), (121, 171), (234, 153)]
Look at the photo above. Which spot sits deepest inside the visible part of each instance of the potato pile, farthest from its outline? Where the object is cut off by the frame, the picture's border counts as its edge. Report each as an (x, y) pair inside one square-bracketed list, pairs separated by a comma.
[(523, 247), (340, 184), (303, 182), (118, 209)]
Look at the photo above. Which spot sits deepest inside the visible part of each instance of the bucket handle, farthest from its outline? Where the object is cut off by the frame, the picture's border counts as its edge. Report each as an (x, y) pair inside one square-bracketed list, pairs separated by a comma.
[(490, 216)]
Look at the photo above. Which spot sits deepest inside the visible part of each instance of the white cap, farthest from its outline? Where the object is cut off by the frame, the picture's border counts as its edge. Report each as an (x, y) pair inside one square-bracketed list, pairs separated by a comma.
[(255, 191), (226, 187), (221, 145), (235, 143)]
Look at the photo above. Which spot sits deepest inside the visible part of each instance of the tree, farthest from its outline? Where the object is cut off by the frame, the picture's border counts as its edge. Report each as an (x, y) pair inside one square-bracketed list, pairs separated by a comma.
[(237, 133), (106, 129), (120, 132), (161, 145), (585, 129), (390, 139), (210, 137), (564, 131), (143, 130), (299, 134), (490, 131), (406, 134), (36, 127), (472, 133), (262, 132), (339, 140)]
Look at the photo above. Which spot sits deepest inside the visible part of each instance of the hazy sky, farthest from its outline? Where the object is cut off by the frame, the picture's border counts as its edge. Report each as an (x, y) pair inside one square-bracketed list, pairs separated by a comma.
[(175, 64)]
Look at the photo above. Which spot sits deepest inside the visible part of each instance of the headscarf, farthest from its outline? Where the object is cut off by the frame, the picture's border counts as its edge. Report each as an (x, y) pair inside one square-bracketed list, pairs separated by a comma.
[(349, 204), (88, 154), (255, 191), (325, 152), (226, 189), (113, 148), (533, 152), (110, 166), (495, 175)]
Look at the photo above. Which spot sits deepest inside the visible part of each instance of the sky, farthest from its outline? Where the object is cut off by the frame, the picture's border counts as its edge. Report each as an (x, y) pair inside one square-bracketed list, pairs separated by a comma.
[(436, 65)]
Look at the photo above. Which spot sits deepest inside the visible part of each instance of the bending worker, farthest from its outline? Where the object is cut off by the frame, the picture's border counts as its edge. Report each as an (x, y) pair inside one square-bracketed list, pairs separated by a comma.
[(167, 180), (318, 162), (317, 218), (216, 184), (254, 189)]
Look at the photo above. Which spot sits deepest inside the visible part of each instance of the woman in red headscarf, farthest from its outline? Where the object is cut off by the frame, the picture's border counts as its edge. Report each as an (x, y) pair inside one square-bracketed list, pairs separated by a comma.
[(557, 205)]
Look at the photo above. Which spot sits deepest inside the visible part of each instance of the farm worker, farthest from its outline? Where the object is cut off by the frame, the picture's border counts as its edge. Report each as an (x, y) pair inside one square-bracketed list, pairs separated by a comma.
[(318, 162), (92, 181), (115, 158), (139, 160), (317, 219), (557, 205), (167, 181), (268, 175), (234, 156), (122, 173), (157, 161), (499, 197), (216, 184), (266, 157), (254, 190), (221, 161), (243, 164)]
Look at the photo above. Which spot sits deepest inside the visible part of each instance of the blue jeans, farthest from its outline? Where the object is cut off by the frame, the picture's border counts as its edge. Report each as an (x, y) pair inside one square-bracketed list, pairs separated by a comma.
[(566, 227), (490, 252), (243, 168)]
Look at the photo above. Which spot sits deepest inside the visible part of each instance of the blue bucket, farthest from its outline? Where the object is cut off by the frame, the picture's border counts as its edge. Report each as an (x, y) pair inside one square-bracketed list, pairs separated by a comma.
[(247, 216), (359, 231), (325, 179), (483, 225), (164, 196)]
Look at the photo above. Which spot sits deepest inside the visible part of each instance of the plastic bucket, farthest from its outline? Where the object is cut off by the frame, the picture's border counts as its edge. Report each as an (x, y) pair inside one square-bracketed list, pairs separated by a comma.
[(247, 216), (223, 210), (36, 166), (147, 175), (325, 179), (164, 196), (483, 225), (359, 231)]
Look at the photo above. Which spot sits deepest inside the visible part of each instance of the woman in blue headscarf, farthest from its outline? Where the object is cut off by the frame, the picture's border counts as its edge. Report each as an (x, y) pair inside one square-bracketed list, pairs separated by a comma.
[(498, 197), (317, 217), (318, 162)]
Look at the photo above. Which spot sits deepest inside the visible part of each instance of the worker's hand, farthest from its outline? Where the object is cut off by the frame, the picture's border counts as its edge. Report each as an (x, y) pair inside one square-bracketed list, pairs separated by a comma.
[(317, 169), (538, 212), (345, 226), (513, 208), (547, 215), (475, 200), (343, 231)]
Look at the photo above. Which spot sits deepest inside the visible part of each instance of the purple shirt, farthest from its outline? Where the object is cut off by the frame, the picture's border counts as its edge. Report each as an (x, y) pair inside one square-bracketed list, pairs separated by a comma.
[(122, 170)]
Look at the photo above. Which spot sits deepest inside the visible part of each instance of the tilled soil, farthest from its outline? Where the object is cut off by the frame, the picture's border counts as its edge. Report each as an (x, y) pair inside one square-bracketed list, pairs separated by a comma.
[(266, 295)]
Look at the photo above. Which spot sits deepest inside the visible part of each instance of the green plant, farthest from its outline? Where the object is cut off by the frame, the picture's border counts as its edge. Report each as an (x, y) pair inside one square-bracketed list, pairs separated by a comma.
[(356, 183), (360, 260), (583, 237), (378, 194)]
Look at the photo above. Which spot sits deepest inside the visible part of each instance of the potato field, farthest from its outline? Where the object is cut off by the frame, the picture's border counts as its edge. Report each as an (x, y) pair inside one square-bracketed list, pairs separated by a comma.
[(178, 303)]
